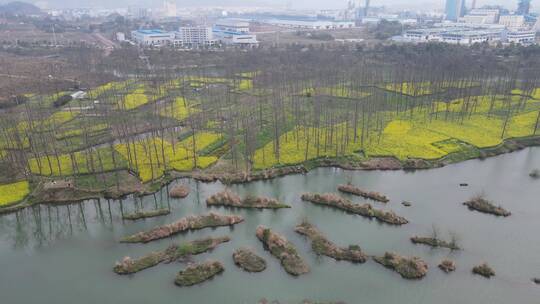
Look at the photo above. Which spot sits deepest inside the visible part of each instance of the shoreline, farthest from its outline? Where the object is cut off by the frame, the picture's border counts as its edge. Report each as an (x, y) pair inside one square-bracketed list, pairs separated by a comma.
[(380, 163)]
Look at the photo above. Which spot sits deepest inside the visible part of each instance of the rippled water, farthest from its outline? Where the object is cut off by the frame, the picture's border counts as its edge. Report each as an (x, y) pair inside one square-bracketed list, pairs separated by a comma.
[(65, 254)]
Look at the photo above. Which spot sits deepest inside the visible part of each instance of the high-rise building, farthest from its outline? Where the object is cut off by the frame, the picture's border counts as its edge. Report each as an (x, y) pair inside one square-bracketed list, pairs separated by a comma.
[(169, 8), (455, 9), (524, 6)]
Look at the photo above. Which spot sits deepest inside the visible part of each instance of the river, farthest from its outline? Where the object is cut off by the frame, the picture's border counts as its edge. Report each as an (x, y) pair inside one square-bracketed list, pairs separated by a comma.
[(65, 254)]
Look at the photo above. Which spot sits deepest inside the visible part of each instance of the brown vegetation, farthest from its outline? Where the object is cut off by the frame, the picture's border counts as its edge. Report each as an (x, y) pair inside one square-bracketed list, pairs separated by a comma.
[(480, 204), (284, 250), (146, 214), (198, 273), (248, 260), (408, 268), (348, 188), (230, 199), (169, 255), (322, 246), (484, 270), (434, 242), (366, 210), (187, 223), (179, 191), (447, 266)]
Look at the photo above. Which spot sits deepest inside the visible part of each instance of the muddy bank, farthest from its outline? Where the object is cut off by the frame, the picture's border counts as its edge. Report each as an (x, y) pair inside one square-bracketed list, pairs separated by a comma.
[(240, 177), (146, 214), (169, 255), (192, 222), (248, 260), (180, 191), (230, 199), (365, 210), (282, 249), (198, 273), (350, 189), (484, 270), (322, 246), (447, 266), (409, 268), (435, 242), (376, 163), (480, 204)]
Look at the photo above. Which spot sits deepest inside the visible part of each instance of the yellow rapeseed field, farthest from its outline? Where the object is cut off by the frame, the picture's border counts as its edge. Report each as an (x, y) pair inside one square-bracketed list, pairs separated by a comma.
[(152, 157), (13, 193)]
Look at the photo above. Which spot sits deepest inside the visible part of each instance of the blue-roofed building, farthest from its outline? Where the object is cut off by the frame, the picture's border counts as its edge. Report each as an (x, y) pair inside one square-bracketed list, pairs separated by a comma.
[(234, 32), (153, 37)]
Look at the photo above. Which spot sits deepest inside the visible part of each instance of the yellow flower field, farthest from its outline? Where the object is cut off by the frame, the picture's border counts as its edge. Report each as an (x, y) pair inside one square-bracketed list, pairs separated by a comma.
[(412, 137), (13, 193), (78, 162), (151, 157), (179, 109)]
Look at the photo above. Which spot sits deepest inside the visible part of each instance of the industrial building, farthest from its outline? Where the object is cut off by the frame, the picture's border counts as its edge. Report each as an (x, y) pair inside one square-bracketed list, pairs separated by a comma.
[(311, 24), (521, 37), (472, 37), (152, 37), (234, 32), (455, 35)]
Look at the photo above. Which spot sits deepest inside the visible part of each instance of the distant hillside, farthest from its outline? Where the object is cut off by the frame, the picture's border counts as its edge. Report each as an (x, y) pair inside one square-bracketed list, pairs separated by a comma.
[(20, 8)]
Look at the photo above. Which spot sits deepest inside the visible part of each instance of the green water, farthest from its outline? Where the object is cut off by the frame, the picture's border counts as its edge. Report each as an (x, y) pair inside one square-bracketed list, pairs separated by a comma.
[(65, 254)]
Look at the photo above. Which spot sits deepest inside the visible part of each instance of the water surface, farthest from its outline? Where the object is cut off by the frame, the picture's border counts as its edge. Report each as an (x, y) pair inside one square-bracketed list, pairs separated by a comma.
[(65, 254)]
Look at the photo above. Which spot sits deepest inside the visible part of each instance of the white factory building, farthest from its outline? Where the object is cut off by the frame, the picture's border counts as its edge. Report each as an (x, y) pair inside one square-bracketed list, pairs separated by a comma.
[(152, 37), (234, 32), (521, 37), (507, 29), (472, 37), (311, 24), (454, 35)]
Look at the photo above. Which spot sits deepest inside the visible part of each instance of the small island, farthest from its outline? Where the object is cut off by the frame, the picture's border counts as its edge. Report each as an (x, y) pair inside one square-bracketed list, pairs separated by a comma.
[(435, 242), (447, 266), (535, 174), (484, 270), (198, 273), (248, 260), (365, 210), (230, 199), (192, 222), (169, 255), (145, 214), (350, 189), (283, 250), (179, 191), (480, 204), (322, 246), (409, 268)]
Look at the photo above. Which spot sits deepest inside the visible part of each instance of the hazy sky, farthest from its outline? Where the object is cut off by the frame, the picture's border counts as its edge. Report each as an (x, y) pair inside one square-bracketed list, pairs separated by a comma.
[(297, 4)]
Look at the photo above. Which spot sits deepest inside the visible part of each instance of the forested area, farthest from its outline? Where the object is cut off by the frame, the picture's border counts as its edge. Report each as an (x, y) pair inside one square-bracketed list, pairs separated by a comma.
[(244, 111)]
